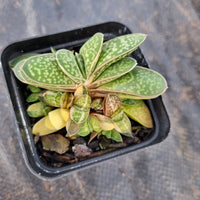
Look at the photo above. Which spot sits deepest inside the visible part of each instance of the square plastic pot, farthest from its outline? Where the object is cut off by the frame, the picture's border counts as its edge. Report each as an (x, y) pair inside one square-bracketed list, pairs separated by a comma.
[(71, 40)]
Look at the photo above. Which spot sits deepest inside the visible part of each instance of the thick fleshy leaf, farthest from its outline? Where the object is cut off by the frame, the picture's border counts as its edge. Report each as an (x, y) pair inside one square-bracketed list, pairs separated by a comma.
[(17, 69), (29, 81), (116, 136), (54, 98), (34, 89), (104, 121), (140, 82), (91, 51), (95, 123), (118, 115), (44, 71), (55, 142), (114, 71), (138, 111), (13, 62), (81, 90), (67, 62), (107, 134), (49, 125), (64, 114), (128, 96), (122, 123), (112, 134), (77, 115), (124, 126), (32, 98), (56, 119), (61, 88), (80, 62), (116, 49), (38, 109), (85, 129), (83, 102), (41, 129)]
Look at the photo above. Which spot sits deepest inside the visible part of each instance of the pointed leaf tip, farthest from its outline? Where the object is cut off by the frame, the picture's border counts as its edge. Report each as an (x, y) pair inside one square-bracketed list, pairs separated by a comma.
[(116, 49), (43, 71), (115, 71), (140, 82), (67, 62), (90, 52)]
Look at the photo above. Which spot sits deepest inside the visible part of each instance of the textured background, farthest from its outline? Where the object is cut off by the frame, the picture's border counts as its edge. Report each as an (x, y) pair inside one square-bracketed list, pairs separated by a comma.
[(169, 170)]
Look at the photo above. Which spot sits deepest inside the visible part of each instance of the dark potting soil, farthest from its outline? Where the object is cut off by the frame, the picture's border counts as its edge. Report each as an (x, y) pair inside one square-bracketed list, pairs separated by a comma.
[(97, 146)]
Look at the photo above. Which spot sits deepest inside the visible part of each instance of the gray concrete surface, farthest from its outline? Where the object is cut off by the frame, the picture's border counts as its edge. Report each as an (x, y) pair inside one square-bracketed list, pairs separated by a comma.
[(169, 170)]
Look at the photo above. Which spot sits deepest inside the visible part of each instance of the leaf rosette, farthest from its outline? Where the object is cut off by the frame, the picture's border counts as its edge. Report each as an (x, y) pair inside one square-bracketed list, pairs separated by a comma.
[(98, 89)]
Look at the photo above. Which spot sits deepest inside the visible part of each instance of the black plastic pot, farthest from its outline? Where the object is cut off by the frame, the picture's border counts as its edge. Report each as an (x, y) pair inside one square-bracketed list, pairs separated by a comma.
[(71, 40)]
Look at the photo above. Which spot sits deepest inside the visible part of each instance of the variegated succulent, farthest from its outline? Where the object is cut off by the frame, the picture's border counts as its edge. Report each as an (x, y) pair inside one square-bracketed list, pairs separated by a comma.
[(95, 91)]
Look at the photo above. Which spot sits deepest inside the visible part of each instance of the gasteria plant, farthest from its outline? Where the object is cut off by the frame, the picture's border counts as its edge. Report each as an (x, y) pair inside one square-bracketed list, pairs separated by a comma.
[(94, 91)]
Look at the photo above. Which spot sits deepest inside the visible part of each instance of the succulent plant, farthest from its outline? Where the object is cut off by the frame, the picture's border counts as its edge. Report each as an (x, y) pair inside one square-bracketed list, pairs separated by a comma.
[(95, 91)]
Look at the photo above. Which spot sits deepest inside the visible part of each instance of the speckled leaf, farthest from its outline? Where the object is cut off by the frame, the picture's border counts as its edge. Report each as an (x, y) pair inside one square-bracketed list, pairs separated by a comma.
[(116, 49), (67, 62), (140, 82), (138, 111), (118, 115), (128, 96), (123, 126), (44, 70), (17, 69), (55, 142), (91, 51), (62, 88), (13, 62), (80, 62), (54, 98), (83, 102), (114, 71), (85, 129), (77, 115)]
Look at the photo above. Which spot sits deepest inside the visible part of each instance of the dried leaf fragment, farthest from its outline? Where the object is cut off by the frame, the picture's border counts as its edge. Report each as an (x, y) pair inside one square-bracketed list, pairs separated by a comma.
[(55, 142), (111, 104), (81, 150)]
